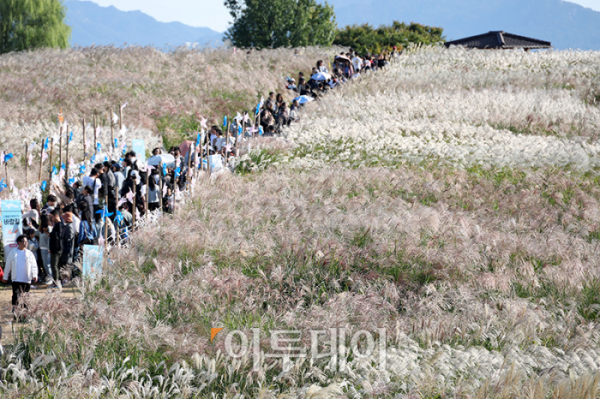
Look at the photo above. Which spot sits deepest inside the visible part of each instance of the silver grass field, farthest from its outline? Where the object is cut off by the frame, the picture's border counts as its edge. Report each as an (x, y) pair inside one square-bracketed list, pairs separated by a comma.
[(451, 200)]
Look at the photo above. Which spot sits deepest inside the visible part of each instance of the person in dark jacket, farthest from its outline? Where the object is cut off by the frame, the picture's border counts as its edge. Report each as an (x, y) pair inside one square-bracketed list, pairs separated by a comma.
[(51, 202), (68, 242), (128, 185), (78, 191), (87, 198), (55, 246), (111, 192), (104, 180)]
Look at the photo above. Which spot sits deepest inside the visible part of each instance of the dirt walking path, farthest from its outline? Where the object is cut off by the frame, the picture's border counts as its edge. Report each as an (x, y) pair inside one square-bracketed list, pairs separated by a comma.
[(10, 329)]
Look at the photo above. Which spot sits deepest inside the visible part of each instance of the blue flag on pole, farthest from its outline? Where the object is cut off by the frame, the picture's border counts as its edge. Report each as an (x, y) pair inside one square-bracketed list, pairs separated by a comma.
[(116, 143), (119, 217), (99, 147), (63, 166), (54, 170), (44, 185), (2, 185), (46, 144), (71, 136), (224, 121), (104, 212), (177, 172), (198, 138), (164, 169), (8, 156), (82, 169), (261, 130)]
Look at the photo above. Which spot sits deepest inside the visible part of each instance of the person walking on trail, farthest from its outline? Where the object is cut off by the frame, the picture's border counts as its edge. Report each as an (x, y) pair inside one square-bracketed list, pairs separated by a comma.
[(119, 176), (21, 268), (56, 245), (68, 244), (357, 63), (44, 240), (111, 191), (93, 181), (153, 192)]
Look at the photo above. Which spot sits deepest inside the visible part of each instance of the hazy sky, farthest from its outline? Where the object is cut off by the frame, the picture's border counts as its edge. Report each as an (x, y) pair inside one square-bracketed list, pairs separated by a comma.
[(209, 13)]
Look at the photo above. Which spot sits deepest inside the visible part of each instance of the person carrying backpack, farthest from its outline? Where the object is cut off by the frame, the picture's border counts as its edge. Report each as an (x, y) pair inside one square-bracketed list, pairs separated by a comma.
[(87, 229)]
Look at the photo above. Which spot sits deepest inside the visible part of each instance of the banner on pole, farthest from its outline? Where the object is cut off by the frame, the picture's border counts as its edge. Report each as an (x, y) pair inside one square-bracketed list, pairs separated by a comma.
[(92, 261), (11, 223), (216, 162), (139, 146)]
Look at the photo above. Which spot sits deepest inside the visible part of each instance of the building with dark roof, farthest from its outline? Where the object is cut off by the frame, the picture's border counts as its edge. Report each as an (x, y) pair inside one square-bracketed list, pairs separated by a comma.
[(500, 40)]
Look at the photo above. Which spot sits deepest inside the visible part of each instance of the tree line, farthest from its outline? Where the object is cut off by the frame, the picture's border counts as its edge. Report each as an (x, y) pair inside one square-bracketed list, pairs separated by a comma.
[(30, 24)]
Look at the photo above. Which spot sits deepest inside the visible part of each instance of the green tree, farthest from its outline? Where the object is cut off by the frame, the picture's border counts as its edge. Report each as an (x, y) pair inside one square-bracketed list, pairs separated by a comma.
[(365, 38), (280, 23), (29, 24)]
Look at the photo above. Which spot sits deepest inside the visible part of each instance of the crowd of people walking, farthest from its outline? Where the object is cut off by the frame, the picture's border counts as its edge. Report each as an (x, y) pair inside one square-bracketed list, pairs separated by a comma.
[(102, 207), (275, 113)]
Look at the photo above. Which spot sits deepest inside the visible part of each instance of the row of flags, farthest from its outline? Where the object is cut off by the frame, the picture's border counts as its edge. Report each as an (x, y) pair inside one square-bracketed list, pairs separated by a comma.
[(5, 157)]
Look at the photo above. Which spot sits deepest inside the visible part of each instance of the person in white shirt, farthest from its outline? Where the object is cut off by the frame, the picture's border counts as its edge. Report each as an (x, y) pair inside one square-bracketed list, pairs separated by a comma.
[(321, 67), (215, 133), (357, 62), (32, 217), (94, 182), (21, 268)]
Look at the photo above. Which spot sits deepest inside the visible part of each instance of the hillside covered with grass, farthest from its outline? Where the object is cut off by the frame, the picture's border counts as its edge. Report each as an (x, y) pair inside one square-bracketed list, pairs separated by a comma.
[(448, 205), (166, 93)]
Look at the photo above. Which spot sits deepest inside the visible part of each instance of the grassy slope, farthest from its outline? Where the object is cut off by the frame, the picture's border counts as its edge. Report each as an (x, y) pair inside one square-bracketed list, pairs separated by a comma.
[(166, 93), (485, 277), (163, 90)]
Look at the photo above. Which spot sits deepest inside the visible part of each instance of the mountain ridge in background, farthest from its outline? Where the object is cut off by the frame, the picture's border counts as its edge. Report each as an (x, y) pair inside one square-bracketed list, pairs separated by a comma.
[(565, 24), (93, 24)]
